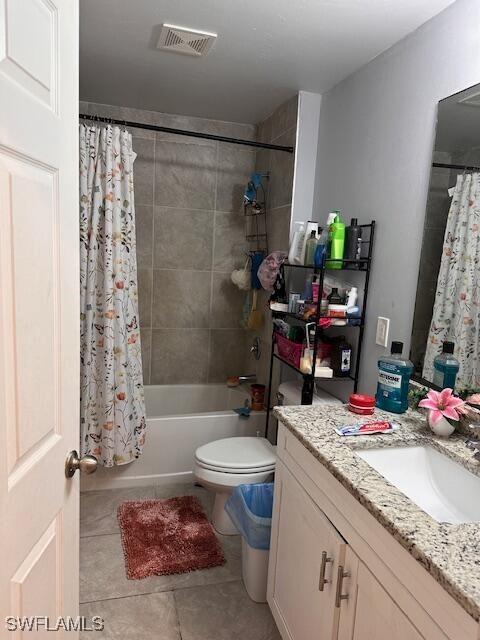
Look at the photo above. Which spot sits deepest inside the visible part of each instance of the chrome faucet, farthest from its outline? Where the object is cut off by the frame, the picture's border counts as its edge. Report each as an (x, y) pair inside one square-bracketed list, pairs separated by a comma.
[(248, 378), (475, 446)]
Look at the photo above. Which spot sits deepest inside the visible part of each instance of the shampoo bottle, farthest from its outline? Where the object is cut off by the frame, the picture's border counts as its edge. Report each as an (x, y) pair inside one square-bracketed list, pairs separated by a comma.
[(394, 373), (353, 243), (311, 248), (445, 367), (295, 255), (311, 226), (337, 243), (321, 250)]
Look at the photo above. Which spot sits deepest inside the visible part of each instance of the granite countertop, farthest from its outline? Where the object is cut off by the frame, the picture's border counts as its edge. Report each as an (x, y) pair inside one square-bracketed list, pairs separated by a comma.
[(450, 553)]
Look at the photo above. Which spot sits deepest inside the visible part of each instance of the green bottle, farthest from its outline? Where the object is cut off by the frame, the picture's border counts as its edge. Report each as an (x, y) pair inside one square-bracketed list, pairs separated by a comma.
[(336, 243)]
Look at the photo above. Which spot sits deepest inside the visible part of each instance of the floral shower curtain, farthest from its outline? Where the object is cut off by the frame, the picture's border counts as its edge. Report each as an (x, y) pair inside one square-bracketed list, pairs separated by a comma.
[(456, 311), (112, 407)]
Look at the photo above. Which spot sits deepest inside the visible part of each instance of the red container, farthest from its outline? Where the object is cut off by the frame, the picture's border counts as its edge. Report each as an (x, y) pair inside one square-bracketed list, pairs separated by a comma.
[(290, 351), (257, 392), (361, 404)]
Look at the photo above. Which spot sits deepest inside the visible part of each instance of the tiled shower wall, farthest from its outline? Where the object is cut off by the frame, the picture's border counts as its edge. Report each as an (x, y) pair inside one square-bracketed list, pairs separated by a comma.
[(279, 128), (190, 236)]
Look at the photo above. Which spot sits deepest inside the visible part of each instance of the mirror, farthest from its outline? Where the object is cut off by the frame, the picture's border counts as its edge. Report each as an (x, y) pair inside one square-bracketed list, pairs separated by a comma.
[(446, 326)]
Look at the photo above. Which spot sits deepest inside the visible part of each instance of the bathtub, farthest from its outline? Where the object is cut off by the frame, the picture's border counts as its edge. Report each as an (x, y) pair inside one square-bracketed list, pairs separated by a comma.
[(180, 418)]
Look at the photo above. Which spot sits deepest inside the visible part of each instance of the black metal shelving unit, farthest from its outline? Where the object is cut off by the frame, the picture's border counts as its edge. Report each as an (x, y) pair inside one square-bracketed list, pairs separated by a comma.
[(361, 265)]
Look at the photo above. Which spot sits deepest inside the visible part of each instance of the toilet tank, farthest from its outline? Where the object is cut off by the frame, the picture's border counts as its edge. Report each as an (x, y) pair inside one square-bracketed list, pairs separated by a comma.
[(290, 393)]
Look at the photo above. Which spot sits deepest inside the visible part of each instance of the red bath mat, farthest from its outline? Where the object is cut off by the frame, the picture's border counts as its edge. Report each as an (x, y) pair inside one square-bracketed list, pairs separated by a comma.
[(160, 537)]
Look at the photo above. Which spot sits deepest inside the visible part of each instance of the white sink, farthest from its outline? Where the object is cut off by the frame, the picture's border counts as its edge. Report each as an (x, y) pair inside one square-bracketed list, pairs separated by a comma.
[(437, 484)]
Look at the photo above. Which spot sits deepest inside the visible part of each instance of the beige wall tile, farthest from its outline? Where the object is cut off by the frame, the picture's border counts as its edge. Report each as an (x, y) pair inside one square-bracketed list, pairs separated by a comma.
[(143, 170), (183, 238), (146, 338), (228, 354), (144, 235), (235, 165), (179, 356), (227, 302), (181, 298), (230, 245), (145, 297), (284, 118), (185, 175), (281, 173)]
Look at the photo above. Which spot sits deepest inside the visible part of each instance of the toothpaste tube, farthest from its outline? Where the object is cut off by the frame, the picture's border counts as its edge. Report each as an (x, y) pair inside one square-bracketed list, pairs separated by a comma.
[(367, 428)]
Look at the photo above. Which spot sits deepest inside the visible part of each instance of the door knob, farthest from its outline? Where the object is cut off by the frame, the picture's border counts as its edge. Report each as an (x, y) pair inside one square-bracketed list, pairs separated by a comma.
[(87, 464)]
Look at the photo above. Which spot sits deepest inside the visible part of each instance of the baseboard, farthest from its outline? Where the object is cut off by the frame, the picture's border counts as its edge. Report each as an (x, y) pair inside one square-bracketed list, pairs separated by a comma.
[(110, 479)]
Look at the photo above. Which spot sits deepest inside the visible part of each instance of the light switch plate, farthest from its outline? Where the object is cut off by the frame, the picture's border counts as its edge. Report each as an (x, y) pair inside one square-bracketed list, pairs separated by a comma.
[(383, 328)]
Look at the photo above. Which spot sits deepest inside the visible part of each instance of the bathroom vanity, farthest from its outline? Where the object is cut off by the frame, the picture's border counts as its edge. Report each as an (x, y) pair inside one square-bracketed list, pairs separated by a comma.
[(352, 556)]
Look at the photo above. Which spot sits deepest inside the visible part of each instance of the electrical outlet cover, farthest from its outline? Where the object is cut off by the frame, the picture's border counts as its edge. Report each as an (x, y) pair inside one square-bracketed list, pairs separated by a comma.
[(383, 328)]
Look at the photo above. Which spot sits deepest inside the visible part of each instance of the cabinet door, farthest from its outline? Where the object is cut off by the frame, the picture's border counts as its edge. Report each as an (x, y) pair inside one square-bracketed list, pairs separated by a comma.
[(369, 613), (297, 593)]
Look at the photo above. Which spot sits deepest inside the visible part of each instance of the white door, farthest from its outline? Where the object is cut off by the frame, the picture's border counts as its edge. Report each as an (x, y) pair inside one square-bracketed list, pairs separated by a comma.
[(306, 551), (39, 309)]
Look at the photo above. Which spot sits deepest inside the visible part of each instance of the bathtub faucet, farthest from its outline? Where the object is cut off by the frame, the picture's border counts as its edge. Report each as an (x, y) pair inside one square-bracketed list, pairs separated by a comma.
[(249, 378)]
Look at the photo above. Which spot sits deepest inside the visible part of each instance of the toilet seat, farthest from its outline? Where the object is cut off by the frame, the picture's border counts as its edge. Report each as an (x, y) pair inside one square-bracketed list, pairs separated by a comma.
[(212, 467), (238, 455)]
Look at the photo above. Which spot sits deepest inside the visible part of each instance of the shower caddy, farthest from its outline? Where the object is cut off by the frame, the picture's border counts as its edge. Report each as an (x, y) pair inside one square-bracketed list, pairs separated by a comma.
[(363, 266)]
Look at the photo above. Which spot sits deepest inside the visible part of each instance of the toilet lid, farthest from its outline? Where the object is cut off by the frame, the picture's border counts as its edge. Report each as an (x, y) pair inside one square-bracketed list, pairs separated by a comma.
[(237, 454)]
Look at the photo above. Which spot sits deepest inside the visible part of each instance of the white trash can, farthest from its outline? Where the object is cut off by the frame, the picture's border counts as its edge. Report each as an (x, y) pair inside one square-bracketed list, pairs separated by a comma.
[(255, 571), (250, 508)]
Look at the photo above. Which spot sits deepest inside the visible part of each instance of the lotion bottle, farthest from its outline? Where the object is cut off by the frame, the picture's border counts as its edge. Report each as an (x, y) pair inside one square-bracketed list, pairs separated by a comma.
[(296, 255)]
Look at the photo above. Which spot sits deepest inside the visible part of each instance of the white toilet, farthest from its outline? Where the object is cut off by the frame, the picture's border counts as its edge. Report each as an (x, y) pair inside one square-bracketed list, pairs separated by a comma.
[(224, 464)]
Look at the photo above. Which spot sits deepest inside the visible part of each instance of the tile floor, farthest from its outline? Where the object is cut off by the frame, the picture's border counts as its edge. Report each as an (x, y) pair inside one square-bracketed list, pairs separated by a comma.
[(210, 604)]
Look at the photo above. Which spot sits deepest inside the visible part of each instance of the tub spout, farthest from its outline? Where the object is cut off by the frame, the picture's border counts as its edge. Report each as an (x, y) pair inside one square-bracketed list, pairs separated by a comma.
[(248, 378)]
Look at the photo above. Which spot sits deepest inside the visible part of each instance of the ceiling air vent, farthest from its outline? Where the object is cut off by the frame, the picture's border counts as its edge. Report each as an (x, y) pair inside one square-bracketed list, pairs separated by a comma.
[(183, 40)]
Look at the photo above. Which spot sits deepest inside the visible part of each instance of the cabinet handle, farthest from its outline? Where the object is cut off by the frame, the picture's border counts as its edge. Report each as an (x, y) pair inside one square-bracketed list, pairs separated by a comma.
[(339, 596), (321, 581)]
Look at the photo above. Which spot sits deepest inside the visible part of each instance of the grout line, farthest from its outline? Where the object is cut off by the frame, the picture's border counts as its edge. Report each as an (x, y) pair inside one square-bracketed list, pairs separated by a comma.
[(177, 328), (132, 595), (165, 206), (96, 535), (179, 626), (210, 584), (210, 311), (154, 186)]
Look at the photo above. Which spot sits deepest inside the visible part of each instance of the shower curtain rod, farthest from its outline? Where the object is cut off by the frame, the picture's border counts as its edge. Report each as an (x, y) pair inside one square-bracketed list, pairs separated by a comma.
[(460, 167), (183, 132)]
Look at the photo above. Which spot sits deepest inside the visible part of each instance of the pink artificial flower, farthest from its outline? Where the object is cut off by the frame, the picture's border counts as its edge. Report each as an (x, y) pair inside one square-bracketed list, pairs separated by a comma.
[(442, 404)]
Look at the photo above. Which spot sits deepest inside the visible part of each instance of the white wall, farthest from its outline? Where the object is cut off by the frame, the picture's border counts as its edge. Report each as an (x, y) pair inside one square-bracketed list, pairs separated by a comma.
[(308, 120), (376, 137)]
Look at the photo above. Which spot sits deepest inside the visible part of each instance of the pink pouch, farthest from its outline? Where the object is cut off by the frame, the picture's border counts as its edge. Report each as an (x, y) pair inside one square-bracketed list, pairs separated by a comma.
[(268, 270)]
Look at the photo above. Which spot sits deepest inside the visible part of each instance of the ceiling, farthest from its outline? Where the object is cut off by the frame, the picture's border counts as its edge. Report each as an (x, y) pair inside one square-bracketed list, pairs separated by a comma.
[(266, 50)]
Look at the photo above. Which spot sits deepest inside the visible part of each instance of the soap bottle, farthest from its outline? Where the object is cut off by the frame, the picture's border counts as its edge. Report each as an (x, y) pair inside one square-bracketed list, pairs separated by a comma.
[(341, 357), (295, 255), (310, 226), (352, 298), (394, 373), (334, 297), (311, 247), (446, 367), (353, 243), (321, 250), (337, 243), (331, 217)]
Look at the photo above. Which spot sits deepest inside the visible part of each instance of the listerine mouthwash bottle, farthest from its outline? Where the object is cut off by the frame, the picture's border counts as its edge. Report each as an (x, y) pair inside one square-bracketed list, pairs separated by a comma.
[(445, 367), (394, 373)]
